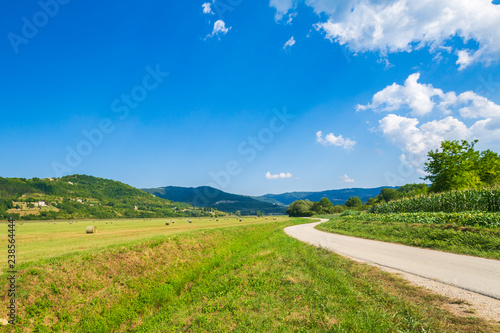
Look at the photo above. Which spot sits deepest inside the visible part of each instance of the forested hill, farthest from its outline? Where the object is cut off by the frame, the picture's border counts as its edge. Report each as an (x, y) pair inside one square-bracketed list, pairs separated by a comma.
[(206, 196), (81, 196)]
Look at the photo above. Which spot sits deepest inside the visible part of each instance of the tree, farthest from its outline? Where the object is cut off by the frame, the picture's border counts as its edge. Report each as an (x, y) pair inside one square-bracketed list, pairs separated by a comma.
[(300, 208), (354, 202), (324, 206), (489, 168), (459, 166), (410, 190), (388, 194)]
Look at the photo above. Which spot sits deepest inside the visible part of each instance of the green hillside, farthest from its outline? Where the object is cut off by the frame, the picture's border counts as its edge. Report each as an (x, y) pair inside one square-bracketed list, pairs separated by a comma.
[(81, 196), (206, 196)]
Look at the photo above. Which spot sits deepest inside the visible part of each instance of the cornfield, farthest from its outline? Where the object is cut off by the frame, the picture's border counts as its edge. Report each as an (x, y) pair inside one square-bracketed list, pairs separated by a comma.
[(478, 200), (483, 219)]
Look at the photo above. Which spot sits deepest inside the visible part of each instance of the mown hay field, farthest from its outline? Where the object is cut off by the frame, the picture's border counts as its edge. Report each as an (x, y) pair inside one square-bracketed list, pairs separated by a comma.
[(41, 239)]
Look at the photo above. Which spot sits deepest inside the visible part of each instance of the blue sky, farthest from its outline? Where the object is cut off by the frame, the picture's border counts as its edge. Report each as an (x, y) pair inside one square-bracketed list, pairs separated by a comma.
[(250, 97)]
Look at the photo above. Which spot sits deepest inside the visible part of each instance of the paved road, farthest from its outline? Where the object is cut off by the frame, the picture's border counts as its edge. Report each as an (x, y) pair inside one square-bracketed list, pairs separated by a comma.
[(470, 273)]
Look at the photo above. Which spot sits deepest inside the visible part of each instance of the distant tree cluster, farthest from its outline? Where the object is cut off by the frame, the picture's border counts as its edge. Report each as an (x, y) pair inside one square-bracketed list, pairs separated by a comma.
[(307, 208), (389, 194)]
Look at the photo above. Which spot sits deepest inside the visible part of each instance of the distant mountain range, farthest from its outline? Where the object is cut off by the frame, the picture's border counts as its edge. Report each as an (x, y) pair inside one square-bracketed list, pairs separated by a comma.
[(206, 196), (337, 197)]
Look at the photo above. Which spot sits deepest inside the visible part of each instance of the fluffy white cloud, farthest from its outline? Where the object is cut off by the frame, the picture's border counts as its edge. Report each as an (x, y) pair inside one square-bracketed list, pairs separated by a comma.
[(449, 114), (390, 26), (415, 141), (477, 106), (423, 99), (282, 8), (281, 175), (219, 29), (289, 43), (346, 179), (332, 140), (206, 8)]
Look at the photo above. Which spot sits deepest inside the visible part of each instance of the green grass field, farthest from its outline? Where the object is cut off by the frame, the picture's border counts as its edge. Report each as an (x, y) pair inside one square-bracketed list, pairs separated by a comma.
[(208, 276)]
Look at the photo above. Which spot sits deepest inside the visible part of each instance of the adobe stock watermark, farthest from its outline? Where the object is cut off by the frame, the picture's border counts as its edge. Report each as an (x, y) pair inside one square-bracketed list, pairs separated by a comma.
[(486, 86), (406, 169), (222, 6), (121, 108), (248, 150), (31, 26)]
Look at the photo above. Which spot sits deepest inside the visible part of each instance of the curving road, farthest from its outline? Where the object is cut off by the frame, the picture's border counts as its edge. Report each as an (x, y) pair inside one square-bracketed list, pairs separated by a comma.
[(470, 273)]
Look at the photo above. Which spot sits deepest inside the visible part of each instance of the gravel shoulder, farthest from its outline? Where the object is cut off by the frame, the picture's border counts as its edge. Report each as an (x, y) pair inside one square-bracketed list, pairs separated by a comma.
[(473, 282)]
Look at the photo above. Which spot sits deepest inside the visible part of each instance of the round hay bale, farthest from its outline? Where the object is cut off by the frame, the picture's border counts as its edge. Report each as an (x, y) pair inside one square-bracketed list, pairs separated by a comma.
[(274, 218), (92, 229)]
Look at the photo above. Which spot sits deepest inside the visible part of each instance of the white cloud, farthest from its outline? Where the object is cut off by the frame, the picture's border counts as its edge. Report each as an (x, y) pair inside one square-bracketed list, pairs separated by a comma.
[(332, 140), (289, 43), (207, 9), (392, 26), (282, 8), (291, 16), (415, 141), (423, 99), (418, 98), (281, 175), (219, 29), (346, 179), (478, 106), (445, 114)]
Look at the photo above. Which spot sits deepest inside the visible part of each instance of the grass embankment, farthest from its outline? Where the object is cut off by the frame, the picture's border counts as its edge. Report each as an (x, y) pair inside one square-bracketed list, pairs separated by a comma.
[(403, 229), (252, 278)]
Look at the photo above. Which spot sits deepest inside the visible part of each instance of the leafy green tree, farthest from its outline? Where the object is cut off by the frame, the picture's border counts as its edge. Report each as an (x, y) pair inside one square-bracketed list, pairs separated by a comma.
[(353, 202), (489, 168), (324, 206), (374, 201), (388, 194), (459, 166), (300, 208), (338, 209), (410, 190)]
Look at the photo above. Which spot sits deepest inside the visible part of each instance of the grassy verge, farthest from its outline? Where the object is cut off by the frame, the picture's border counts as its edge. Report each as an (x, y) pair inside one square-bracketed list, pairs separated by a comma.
[(477, 241), (252, 278)]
